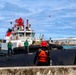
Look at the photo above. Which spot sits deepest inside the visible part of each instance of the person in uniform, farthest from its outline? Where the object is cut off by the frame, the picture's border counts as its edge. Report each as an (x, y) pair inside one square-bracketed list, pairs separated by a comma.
[(26, 45), (9, 45), (42, 56)]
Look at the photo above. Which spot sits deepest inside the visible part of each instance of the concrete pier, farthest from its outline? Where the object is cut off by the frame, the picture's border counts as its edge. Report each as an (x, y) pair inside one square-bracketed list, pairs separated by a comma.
[(39, 70)]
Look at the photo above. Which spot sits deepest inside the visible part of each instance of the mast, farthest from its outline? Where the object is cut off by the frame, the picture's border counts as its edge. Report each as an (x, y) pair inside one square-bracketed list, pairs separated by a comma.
[(27, 24)]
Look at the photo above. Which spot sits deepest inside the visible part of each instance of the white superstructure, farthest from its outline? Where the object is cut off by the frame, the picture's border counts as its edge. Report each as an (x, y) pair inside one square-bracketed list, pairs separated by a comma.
[(18, 34)]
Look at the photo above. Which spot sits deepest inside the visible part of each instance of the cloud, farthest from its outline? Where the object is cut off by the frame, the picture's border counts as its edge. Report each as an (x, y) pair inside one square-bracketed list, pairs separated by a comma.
[(2, 33), (67, 27), (2, 29), (61, 22)]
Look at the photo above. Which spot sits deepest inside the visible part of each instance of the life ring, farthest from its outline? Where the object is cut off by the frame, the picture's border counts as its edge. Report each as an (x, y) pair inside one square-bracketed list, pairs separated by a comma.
[(16, 37)]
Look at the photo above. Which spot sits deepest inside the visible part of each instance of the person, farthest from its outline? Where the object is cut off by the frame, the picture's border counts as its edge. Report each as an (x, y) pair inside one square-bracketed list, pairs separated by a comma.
[(42, 57), (0, 47), (26, 44), (9, 45), (50, 44), (50, 41)]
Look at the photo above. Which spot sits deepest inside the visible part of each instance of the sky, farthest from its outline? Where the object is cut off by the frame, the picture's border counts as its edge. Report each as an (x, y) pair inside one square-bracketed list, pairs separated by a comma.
[(51, 18)]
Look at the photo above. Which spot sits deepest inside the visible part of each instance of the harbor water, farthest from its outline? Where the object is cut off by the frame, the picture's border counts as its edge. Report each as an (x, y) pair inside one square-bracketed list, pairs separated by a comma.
[(68, 46)]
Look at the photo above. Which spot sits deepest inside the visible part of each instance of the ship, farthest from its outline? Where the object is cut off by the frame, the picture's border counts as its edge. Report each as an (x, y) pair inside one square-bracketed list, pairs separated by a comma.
[(18, 34)]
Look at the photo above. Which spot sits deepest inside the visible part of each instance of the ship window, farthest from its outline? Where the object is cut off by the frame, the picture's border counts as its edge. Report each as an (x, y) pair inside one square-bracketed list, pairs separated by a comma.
[(28, 34), (33, 34), (21, 34), (16, 33)]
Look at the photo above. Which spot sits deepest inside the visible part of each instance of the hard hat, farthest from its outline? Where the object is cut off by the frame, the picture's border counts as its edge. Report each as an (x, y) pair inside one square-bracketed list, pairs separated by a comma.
[(44, 43)]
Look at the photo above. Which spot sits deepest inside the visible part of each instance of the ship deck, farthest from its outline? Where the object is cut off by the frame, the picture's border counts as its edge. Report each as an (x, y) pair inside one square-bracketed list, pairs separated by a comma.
[(58, 57)]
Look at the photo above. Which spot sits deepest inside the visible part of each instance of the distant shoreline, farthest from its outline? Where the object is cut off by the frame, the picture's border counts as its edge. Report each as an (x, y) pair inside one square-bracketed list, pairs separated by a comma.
[(69, 44)]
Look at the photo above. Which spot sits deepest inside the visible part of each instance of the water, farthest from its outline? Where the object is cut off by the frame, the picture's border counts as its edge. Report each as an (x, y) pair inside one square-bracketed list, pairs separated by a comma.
[(68, 47)]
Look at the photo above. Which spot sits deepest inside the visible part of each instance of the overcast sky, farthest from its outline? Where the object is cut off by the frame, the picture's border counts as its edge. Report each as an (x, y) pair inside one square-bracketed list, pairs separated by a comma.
[(53, 18)]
